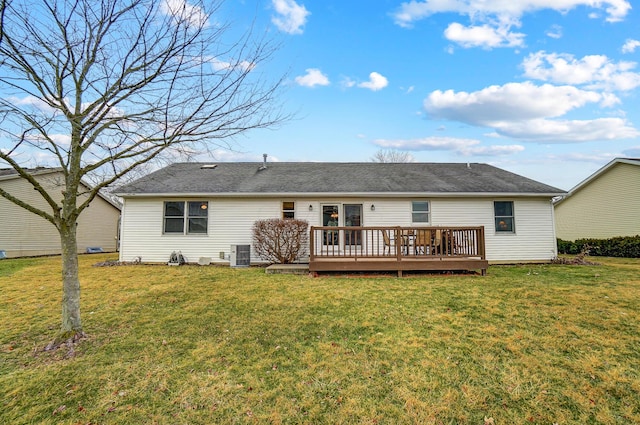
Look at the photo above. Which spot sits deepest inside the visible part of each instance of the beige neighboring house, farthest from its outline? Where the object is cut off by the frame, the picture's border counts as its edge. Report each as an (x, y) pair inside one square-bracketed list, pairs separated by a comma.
[(24, 234), (604, 205)]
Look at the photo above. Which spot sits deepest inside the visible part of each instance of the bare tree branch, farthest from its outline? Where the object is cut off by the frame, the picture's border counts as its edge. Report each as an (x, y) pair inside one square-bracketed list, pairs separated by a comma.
[(392, 155), (100, 88)]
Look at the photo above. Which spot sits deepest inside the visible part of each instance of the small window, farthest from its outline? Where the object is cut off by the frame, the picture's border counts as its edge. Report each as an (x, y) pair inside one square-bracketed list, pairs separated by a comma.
[(504, 218), (420, 212), (288, 209), (186, 217)]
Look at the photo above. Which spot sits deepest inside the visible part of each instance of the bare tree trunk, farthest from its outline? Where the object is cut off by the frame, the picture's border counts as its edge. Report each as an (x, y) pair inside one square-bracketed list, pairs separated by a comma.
[(71, 323), (113, 85)]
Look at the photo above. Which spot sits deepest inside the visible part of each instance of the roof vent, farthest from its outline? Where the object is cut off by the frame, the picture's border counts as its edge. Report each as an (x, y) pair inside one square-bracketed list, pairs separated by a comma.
[(264, 162), (208, 166)]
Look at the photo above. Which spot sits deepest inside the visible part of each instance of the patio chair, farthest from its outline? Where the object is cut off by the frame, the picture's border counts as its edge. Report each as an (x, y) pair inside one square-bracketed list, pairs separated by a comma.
[(388, 242), (407, 238), (422, 243), (437, 242)]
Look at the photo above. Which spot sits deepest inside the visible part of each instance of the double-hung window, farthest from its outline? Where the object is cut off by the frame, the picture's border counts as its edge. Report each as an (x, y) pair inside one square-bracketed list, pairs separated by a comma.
[(420, 212), (504, 216), (186, 217)]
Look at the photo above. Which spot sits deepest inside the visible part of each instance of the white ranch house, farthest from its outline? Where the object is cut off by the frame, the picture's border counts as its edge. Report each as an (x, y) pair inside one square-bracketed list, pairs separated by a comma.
[(203, 209)]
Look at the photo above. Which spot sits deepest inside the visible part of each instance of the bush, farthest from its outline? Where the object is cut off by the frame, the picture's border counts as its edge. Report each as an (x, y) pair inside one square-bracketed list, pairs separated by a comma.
[(621, 246), (281, 241)]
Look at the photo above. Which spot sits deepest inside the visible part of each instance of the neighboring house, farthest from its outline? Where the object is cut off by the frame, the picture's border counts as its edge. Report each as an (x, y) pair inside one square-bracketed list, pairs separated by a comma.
[(604, 205), (23, 233), (203, 209)]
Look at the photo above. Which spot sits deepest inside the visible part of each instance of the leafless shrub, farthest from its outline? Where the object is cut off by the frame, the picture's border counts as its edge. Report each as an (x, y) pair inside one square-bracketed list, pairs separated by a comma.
[(280, 241), (579, 259)]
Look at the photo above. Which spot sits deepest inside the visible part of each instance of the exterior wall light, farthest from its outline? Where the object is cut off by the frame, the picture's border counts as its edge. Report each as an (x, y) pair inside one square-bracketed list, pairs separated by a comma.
[(373, 207), (310, 207)]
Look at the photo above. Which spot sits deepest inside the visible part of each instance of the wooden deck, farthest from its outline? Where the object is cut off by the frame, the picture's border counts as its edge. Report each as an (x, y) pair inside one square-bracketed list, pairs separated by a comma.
[(397, 249)]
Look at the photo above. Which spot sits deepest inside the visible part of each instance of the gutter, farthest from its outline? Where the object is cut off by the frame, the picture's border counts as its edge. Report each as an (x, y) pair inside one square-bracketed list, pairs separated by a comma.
[(340, 194)]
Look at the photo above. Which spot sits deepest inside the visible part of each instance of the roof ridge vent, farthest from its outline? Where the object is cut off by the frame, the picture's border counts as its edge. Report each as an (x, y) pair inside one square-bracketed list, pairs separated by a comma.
[(208, 166)]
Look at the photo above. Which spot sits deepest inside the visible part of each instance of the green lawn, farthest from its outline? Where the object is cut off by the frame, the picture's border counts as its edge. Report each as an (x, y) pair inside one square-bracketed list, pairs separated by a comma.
[(205, 345)]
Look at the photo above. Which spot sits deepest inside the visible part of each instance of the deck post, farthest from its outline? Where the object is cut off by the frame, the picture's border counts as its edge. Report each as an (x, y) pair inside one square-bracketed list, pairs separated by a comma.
[(396, 238), (312, 245)]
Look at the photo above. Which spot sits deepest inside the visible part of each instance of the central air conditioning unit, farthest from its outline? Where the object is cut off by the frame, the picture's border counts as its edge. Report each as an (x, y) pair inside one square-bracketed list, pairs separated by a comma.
[(240, 256)]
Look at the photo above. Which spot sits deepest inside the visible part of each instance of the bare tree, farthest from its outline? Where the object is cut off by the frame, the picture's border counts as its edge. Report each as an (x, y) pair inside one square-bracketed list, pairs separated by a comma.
[(2, 7), (100, 88), (392, 155)]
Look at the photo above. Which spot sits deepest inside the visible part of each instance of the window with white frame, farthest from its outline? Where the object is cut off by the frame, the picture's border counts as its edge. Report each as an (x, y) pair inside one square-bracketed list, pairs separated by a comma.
[(420, 211), (288, 209), (504, 216), (186, 217)]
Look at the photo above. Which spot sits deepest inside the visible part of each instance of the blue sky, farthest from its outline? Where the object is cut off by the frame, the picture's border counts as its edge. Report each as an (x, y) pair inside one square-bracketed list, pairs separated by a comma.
[(544, 88), (548, 89)]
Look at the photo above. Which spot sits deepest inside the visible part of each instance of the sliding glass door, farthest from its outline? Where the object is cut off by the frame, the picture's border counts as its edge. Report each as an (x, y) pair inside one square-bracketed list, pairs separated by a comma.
[(351, 217)]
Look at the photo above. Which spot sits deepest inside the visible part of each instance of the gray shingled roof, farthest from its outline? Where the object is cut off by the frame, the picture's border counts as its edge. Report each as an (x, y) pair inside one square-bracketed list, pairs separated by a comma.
[(335, 178)]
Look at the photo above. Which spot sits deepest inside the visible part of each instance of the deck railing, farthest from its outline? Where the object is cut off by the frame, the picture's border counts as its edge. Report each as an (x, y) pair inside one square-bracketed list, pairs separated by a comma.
[(383, 242), (396, 244)]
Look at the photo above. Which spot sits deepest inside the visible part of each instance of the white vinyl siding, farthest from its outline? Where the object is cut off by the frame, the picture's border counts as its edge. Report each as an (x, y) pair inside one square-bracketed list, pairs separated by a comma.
[(534, 239), (606, 207), (231, 221)]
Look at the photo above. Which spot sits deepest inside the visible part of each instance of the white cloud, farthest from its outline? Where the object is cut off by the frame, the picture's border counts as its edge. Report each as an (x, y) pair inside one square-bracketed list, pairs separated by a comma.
[(466, 147), (595, 71), (347, 82), (630, 45), (291, 16), (313, 77), (376, 82), (33, 102), (491, 20), (415, 10), (554, 32), (230, 155), (597, 158), (182, 10), (632, 152), (526, 111), (484, 36), (512, 101), (567, 131), (220, 65)]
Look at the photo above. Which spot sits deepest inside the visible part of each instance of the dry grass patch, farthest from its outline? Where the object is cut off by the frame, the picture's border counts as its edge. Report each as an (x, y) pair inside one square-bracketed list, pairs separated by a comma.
[(199, 345)]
